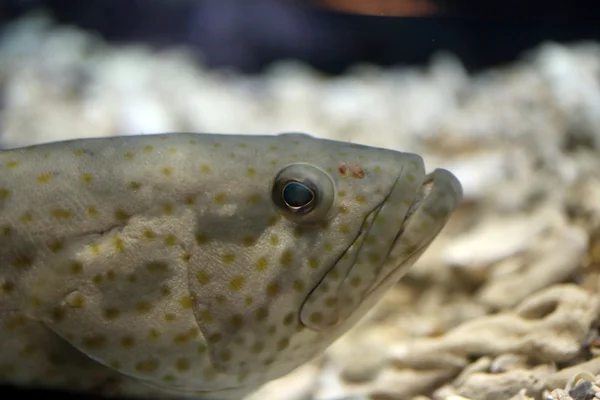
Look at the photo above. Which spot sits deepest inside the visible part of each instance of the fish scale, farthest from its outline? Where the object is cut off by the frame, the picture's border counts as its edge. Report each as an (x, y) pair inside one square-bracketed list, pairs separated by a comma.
[(199, 265)]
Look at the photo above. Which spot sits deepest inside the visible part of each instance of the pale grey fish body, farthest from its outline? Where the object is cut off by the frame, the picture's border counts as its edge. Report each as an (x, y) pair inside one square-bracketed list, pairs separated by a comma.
[(196, 264)]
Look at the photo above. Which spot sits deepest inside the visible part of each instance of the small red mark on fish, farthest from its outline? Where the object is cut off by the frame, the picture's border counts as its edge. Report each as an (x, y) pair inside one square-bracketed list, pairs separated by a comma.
[(358, 172)]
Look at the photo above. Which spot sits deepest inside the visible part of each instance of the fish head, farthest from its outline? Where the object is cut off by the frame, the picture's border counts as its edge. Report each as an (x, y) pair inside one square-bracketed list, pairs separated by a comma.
[(337, 225)]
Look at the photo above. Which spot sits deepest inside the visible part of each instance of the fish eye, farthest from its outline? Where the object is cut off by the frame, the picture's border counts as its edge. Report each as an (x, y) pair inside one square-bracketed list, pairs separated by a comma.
[(298, 196), (303, 193)]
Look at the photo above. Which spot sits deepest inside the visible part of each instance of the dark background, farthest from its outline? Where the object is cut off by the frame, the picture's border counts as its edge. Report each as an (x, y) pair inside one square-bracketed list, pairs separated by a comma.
[(251, 34)]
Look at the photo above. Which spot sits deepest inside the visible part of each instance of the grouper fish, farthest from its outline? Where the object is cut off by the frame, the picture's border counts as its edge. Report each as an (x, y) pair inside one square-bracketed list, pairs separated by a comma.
[(199, 265)]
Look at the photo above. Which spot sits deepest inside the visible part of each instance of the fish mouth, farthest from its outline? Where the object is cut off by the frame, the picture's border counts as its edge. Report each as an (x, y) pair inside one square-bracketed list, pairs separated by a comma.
[(437, 197)]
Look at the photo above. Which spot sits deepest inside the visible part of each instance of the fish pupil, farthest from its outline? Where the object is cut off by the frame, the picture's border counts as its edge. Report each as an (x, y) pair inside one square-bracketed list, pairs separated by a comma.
[(297, 195)]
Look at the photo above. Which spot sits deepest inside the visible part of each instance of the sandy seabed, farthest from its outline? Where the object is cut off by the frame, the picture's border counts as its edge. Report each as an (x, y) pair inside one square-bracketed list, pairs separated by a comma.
[(504, 304)]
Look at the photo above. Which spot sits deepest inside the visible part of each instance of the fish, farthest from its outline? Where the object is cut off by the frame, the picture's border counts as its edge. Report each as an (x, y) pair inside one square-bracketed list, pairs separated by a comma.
[(190, 265)]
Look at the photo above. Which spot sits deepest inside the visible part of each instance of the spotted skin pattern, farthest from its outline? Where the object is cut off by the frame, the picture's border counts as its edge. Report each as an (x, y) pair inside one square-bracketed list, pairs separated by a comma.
[(167, 266)]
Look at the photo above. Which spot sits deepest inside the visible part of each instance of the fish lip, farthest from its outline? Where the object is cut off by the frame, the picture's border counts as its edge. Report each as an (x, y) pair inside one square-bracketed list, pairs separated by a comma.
[(423, 192)]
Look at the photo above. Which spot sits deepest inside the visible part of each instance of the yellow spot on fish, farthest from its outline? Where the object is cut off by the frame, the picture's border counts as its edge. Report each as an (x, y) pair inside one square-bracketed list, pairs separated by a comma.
[(215, 338), (228, 258), (237, 321), (121, 215), (273, 289), (110, 313), (374, 258), (127, 342), (201, 238), (60, 213), (283, 344), (55, 246), (316, 317), (149, 234), (206, 316), (86, 178), (360, 199), (44, 178), (274, 239), (299, 285), (286, 258), (35, 301), (76, 301), (153, 334), (128, 155), (261, 314), (262, 263), (257, 347), (167, 209), (11, 164), (167, 171), (182, 364), (4, 194), (254, 199), (203, 278), (143, 307), (237, 283), (331, 302), (147, 366), (78, 152), (170, 240), (186, 302), (95, 249), (23, 262), (7, 287), (148, 148), (190, 200), (313, 262), (205, 169), (219, 198), (133, 185), (251, 172), (26, 217), (92, 211), (249, 240), (225, 355), (170, 317), (118, 244), (156, 266)]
